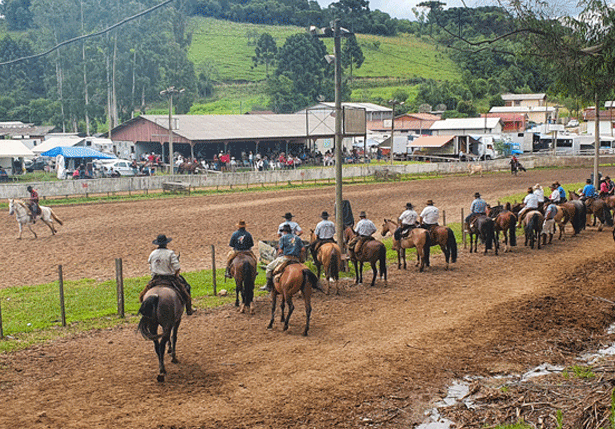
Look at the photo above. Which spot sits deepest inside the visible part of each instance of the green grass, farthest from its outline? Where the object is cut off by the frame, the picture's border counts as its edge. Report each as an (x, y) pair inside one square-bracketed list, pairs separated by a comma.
[(578, 371)]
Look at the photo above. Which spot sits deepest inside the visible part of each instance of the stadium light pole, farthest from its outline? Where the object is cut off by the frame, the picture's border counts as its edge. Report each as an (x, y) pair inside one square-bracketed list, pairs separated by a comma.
[(170, 92), (336, 32)]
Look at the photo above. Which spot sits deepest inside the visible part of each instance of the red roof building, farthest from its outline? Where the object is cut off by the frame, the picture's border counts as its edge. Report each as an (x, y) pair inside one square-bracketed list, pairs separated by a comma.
[(418, 123), (511, 122)]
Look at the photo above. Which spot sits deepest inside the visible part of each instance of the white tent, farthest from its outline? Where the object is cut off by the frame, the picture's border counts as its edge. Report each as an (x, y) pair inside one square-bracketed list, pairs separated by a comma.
[(66, 141), (10, 149)]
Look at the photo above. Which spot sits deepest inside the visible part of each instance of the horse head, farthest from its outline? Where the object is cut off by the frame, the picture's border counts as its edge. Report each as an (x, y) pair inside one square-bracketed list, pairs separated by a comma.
[(388, 226)]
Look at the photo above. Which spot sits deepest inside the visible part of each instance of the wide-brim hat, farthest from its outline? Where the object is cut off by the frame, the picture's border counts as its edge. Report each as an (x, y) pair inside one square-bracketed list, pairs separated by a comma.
[(362, 214), (409, 205), (324, 215), (557, 183), (241, 224), (477, 195), (288, 216), (162, 240), (537, 186), (430, 202)]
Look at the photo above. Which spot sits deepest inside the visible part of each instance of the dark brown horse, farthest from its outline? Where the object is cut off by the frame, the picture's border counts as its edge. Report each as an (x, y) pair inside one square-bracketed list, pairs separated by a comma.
[(243, 270), (532, 224), (162, 307), (575, 211), (484, 227), (597, 207), (190, 168), (372, 251), (505, 221), (295, 277), (418, 238), (444, 237), (329, 257)]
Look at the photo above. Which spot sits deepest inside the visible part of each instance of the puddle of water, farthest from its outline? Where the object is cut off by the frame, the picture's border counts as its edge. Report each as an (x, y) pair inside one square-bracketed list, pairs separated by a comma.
[(435, 421), (540, 370)]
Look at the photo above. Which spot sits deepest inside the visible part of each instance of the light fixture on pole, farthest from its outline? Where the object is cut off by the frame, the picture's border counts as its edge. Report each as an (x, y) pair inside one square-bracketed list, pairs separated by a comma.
[(337, 33), (393, 103), (170, 92)]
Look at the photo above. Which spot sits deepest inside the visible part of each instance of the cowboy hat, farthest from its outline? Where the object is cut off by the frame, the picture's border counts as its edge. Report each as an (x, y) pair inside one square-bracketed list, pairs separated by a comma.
[(476, 195), (430, 202), (537, 186), (241, 224), (324, 215), (161, 240), (362, 214), (409, 205), (288, 216)]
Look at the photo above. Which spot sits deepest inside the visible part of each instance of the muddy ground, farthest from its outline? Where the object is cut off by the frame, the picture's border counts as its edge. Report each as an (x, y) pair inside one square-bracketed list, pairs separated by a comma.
[(375, 357)]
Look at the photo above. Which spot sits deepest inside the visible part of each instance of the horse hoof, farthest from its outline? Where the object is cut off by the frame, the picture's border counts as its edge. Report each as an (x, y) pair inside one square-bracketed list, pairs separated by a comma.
[(252, 309), (174, 360), (160, 378), (242, 308)]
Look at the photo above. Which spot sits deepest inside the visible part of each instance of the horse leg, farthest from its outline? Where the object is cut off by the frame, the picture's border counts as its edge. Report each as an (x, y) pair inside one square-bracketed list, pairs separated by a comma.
[(447, 254), (237, 293), (361, 272), (356, 272), (403, 256), (160, 346), (50, 225), (282, 307), (274, 296), (307, 298), (173, 343), (399, 259), (291, 308), (375, 271)]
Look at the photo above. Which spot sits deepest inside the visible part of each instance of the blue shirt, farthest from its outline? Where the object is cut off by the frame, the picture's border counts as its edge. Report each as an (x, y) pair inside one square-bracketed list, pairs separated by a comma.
[(562, 193), (551, 211), (589, 191), (241, 240), (291, 245), (478, 206)]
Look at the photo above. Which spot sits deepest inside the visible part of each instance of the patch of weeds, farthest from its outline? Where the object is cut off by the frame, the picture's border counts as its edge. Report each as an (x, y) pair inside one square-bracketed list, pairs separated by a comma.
[(578, 371)]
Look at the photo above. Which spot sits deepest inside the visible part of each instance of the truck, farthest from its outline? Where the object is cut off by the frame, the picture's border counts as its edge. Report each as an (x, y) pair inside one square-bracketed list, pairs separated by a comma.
[(454, 147)]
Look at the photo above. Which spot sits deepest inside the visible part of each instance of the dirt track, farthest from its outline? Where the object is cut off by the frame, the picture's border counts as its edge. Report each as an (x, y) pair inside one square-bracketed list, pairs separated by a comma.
[(374, 357)]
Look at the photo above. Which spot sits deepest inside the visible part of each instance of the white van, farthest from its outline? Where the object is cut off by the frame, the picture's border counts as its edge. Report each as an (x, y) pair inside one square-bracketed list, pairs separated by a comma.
[(122, 166)]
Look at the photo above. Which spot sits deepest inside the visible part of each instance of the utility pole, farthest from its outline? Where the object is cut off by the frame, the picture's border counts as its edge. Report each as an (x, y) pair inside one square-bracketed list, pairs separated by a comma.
[(393, 103), (169, 92)]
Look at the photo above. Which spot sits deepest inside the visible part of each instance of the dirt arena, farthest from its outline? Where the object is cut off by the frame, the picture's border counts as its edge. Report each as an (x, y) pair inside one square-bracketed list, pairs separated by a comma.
[(375, 357)]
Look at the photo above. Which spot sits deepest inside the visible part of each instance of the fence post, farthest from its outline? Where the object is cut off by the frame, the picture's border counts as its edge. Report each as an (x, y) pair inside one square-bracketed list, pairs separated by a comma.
[(1, 331), (444, 217), (213, 268), (463, 228), (119, 279), (62, 308)]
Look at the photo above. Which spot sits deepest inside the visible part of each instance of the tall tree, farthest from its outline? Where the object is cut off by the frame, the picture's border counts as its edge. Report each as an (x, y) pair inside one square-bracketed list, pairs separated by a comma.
[(352, 54), (265, 51)]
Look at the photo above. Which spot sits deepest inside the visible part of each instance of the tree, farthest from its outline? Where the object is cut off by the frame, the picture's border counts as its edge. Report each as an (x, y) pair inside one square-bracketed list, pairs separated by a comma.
[(352, 54), (17, 14), (265, 51)]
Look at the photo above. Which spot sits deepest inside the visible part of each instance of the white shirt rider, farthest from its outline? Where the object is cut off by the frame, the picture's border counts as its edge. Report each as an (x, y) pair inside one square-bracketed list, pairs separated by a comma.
[(408, 217), (365, 228), (430, 215)]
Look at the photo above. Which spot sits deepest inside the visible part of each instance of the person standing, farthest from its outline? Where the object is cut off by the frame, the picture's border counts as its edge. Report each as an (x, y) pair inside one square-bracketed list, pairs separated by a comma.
[(33, 200), (164, 266), (548, 227), (289, 250), (241, 242), (429, 216)]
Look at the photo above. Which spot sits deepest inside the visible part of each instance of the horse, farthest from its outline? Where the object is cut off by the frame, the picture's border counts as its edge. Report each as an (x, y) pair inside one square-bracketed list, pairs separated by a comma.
[(475, 169), (295, 277), (329, 256), (484, 227), (444, 237), (596, 206), (505, 221), (22, 214), (190, 168), (162, 307), (575, 211), (417, 237), (372, 251), (243, 270), (532, 223)]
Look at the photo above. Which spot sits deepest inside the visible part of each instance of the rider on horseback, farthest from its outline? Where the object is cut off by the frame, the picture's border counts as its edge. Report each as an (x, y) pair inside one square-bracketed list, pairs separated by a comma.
[(429, 216), (562, 192), (241, 242), (364, 229), (324, 232), (289, 247), (478, 207), (555, 195), (531, 203), (408, 219), (33, 206), (589, 190), (294, 226), (164, 266)]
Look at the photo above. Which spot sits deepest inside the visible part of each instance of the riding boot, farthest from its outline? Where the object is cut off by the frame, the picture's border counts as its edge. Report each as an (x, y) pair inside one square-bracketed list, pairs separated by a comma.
[(269, 286), (227, 273)]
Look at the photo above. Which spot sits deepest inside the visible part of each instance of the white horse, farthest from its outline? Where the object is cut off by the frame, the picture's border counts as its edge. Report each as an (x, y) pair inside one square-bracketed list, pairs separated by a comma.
[(22, 214)]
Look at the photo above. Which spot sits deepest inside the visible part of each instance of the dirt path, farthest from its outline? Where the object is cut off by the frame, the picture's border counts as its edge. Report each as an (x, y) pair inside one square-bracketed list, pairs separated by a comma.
[(375, 356)]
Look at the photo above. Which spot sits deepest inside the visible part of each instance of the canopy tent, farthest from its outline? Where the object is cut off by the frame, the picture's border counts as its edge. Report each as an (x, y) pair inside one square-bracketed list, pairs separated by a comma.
[(14, 149), (431, 141), (64, 141), (77, 152)]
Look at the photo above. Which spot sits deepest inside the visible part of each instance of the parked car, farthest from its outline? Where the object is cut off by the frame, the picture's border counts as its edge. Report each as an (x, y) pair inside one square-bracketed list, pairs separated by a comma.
[(122, 166), (572, 123), (35, 164)]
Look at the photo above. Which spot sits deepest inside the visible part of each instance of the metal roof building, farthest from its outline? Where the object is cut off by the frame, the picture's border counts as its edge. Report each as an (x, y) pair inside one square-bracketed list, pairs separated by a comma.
[(467, 126)]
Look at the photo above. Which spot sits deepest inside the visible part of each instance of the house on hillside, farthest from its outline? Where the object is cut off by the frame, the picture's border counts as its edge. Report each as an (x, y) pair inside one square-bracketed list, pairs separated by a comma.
[(409, 123), (607, 119), (511, 123), (467, 126), (534, 106), (524, 100), (373, 112)]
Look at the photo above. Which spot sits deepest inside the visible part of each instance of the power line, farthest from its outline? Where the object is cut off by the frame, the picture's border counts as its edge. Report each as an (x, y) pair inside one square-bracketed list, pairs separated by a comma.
[(87, 36)]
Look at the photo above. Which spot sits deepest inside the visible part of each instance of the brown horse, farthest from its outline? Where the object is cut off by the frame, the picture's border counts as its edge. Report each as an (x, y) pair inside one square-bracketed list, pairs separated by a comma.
[(418, 238), (484, 227), (162, 307), (372, 251), (243, 270), (597, 207), (295, 277), (505, 221), (444, 237), (329, 256), (190, 168), (532, 224)]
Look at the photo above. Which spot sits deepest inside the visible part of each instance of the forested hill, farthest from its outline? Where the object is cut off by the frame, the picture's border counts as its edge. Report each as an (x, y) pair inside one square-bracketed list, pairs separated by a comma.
[(225, 50)]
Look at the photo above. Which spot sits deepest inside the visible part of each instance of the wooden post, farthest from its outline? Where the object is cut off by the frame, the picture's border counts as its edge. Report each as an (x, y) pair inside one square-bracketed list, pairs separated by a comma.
[(1, 331), (213, 269), (463, 229), (119, 279), (62, 308), (444, 217)]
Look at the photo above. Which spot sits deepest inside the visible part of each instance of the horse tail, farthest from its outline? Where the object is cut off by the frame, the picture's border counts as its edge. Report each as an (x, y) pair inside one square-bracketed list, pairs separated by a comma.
[(512, 230), (452, 245), (489, 234), (248, 281), (382, 257), (578, 220), (334, 268), (310, 277), (427, 248), (57, 219), (147, 327), (608, 217)]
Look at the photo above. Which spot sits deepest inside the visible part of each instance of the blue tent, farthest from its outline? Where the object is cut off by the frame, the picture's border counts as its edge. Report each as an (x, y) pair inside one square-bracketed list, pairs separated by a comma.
[(77, 152)]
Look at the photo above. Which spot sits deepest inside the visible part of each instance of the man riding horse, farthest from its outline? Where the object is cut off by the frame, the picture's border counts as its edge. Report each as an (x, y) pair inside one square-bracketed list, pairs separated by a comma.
[(33, 203), (294, 226), (241, 242), (408, 220), (478, 208), (530, 203), (164, 266), (429, 216), (289, 249), (324, 232), (364, 230)]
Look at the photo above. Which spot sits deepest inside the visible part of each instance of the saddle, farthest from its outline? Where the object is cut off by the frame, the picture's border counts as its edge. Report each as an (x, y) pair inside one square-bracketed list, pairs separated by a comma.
[(180, 285), (280, 268)]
